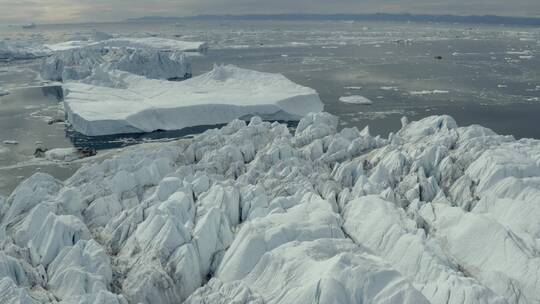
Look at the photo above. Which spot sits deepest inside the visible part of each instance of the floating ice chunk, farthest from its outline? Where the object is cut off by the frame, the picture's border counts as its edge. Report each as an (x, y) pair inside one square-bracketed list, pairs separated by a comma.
[(138, 104), (356, 99), (63, 154), (426, 92), (10, 142), (353, 88), (3, 92)]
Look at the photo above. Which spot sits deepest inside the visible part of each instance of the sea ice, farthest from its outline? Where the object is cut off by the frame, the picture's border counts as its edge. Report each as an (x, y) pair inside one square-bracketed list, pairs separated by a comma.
[(113, 102)]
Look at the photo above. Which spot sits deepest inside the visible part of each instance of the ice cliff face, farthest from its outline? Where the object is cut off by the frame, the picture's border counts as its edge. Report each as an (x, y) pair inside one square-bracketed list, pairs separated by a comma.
[(79, 63), (251, 213)]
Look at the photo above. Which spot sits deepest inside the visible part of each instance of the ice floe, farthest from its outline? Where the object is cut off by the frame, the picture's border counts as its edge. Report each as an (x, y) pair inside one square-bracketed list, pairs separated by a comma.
[(428, 92), (356, 99), (252, 213), (113, 102)]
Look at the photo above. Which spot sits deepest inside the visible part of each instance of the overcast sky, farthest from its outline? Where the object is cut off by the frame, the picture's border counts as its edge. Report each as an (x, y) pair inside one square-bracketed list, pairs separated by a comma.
[(50, 11)]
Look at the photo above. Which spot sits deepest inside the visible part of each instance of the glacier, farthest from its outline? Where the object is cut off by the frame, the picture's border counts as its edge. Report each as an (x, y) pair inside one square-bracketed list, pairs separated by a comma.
[(255, 213), (110, 101)]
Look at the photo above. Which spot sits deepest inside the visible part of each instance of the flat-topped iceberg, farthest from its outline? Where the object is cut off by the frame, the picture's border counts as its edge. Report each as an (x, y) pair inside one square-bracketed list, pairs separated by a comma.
[(153, 43), (114, 102), (252, 213)]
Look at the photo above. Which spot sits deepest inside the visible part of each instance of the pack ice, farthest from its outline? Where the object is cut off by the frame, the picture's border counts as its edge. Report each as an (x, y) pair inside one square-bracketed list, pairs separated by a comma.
[(114, 102), (251, 213)]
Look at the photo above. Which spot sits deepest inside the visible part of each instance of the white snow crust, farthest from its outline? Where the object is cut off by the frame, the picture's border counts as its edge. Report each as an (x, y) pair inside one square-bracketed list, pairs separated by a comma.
[(114, 102), (251, 213)]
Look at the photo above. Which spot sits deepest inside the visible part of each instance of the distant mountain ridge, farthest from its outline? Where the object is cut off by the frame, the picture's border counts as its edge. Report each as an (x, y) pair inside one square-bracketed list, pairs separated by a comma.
[(485, 19)]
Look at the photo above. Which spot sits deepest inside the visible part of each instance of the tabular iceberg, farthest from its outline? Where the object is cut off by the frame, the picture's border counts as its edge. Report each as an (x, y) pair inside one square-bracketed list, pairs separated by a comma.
[(153, 43), (115, 102)]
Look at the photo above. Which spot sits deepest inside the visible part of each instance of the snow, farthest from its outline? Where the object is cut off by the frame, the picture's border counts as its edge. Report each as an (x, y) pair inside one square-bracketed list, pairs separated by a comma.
[(252, 213), (356, 99), (112, 102)]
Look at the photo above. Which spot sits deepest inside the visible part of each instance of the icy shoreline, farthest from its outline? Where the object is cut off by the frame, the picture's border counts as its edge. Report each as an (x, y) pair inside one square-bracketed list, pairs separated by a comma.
[(253, 214)]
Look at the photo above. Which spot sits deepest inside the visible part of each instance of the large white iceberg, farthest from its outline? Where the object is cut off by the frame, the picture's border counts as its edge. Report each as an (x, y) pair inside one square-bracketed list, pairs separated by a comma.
[(252, 213), (113, 102), (153, 43)]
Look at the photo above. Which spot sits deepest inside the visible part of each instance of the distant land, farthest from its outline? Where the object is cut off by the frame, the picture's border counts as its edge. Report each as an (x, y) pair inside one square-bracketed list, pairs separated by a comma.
[(486, 19)]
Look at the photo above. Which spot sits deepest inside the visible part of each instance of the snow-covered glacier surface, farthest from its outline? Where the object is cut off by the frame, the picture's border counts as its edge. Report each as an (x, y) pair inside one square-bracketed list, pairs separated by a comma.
[(114, 102), (251, 213)]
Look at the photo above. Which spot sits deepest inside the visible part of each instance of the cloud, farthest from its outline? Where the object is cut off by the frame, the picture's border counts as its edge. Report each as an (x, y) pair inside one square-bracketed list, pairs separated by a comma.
[(112, 10)]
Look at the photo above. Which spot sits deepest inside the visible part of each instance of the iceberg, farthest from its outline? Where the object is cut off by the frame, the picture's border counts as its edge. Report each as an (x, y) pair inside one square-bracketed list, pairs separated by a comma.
[(256, 213), (356, 99), (19, 51), (79, 63), (114, 102), (150, 43)]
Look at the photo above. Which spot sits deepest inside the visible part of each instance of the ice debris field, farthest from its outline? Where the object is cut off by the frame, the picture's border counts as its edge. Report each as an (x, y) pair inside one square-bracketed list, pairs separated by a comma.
[(252, 213)]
